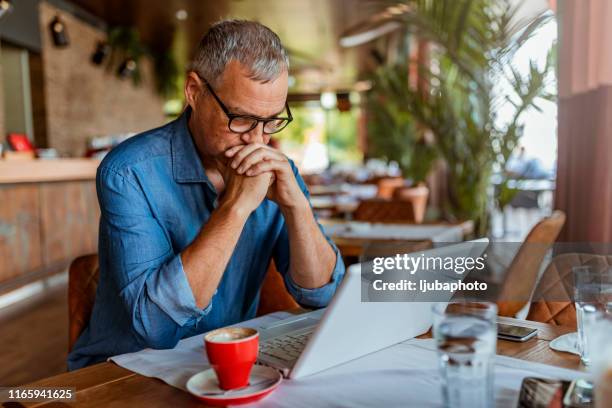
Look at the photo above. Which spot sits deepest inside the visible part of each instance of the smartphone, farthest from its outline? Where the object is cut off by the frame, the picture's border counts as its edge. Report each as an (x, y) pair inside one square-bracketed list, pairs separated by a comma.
[(515, 333)]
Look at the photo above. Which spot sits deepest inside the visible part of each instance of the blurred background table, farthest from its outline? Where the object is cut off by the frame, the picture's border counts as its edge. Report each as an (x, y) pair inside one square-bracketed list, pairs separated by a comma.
[(354, 238), (339, 200)]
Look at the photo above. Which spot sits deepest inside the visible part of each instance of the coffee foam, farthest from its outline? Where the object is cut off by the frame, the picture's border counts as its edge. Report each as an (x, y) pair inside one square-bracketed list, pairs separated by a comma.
[(230, 334)]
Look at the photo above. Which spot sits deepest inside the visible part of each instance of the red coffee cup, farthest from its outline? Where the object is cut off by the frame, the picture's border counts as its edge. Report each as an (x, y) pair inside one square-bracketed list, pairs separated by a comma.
[(232, 352)]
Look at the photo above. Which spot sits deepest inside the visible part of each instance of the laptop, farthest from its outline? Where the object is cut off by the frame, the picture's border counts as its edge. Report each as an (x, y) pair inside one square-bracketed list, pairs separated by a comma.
[(350, 328)]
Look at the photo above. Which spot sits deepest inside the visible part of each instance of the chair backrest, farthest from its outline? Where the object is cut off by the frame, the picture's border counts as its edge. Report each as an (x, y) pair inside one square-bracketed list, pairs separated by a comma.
[(83, 281), (556, 285), (523, 272), (381, 210), (274, 296), (82, 285)]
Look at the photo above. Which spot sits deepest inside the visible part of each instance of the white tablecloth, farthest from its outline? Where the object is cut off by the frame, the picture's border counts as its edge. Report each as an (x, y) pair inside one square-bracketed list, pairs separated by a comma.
[(360, 191), (402, 375), (365, 230)]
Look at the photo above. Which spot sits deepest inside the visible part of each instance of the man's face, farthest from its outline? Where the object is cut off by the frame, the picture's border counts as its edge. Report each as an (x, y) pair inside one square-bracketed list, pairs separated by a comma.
[(241, 95)]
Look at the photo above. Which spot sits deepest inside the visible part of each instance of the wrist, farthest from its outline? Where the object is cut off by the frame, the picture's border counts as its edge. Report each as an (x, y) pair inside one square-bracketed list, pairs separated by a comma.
[(296, 208), (234, 208)]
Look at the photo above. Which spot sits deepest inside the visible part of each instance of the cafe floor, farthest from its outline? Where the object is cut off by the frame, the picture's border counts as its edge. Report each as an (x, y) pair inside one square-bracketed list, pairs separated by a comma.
[(34, 337)]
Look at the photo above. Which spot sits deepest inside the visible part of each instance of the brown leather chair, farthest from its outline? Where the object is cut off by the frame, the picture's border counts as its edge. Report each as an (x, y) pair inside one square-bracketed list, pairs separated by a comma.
[(83, 281), (82, 284), (523, 272), (274, 296), (382, 210), (552, 300)]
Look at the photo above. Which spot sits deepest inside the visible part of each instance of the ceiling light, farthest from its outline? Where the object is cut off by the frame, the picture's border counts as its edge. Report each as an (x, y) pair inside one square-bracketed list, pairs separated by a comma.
[(328, 100), (181, 15), (59, 34), (5, 7), (127, 68), (101, 52)]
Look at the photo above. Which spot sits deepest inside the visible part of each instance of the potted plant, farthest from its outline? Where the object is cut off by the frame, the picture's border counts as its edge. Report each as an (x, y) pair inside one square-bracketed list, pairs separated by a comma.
[(471, 45), (394, 135)]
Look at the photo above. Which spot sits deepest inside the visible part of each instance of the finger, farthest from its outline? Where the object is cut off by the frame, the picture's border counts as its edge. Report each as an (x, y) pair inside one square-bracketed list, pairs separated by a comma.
[(244, 152), (254, 158), (233, 150), (263, 153), (272, 179), (266, 165)]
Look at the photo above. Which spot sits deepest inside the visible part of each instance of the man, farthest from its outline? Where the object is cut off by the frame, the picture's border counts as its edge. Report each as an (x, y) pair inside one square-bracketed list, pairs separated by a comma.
[(192, 213)]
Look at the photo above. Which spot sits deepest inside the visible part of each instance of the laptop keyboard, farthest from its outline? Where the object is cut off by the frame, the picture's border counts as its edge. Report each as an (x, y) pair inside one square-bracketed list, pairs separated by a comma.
[(287, 347)]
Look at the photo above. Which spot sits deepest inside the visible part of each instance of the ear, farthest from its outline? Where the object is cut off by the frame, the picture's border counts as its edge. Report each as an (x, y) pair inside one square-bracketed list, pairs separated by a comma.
[(193, 89)]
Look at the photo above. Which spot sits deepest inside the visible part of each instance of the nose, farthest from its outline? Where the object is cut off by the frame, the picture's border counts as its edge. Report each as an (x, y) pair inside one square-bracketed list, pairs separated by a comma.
[(256, 135)]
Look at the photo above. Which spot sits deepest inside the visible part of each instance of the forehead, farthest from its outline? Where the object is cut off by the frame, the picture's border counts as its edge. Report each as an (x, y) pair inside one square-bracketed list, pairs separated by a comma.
[(242, 94)]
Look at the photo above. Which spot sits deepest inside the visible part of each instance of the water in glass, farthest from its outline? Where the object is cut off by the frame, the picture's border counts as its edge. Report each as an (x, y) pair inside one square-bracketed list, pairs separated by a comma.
[(466, 348), (593, 297)]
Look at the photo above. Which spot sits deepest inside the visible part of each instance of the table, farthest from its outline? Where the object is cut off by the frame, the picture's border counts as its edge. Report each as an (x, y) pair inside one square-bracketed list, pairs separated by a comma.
[(326, 206), (362, 191), (355, 246), (107, 384), (339, 200)]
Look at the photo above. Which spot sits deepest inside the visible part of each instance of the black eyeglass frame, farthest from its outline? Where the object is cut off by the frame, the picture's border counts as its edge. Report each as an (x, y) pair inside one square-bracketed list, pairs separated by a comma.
[(256, 119)]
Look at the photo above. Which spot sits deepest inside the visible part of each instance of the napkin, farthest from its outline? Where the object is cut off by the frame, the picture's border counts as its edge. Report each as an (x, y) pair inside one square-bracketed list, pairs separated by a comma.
[(567, 343)]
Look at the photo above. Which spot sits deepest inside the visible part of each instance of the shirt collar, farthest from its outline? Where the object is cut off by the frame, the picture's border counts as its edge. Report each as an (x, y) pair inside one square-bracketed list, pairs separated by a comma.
[(186, 164)]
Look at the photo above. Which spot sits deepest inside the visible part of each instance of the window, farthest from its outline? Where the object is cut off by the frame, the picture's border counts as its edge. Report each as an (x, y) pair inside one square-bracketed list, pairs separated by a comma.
[(16, 90)]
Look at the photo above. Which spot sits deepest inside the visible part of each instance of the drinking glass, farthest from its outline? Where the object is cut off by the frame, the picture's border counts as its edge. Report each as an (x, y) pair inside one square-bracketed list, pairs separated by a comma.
[(593, 297), (466, 338), (601, 366)]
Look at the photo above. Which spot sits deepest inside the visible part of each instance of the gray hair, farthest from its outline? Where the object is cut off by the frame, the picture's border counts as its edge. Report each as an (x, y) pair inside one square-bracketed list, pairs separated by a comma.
[(252, 44)]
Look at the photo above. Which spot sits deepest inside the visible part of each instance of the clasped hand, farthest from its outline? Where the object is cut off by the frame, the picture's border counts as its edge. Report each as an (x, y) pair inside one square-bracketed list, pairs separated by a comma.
[(256, 171)]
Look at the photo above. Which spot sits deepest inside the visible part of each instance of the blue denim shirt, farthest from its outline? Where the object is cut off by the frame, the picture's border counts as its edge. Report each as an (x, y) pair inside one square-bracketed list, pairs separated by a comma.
[(154, 198)]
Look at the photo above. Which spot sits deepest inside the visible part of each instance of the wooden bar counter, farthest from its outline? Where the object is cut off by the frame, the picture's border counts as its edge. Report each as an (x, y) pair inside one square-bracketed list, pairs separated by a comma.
[(48, 216)]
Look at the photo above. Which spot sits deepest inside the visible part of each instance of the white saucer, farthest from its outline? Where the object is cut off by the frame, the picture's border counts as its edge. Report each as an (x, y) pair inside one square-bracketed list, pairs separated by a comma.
[(567, 343), (204, 386)]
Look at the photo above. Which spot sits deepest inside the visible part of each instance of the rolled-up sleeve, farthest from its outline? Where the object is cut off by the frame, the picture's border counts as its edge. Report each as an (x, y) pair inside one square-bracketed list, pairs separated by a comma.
[(317, 297), (138, 256)]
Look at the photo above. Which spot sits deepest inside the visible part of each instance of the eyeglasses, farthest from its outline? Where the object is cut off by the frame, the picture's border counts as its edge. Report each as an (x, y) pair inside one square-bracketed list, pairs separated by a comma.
[(245, 123)]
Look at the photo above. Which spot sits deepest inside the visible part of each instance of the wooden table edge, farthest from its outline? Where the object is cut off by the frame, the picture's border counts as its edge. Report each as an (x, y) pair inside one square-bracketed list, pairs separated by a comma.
[(66, 380)]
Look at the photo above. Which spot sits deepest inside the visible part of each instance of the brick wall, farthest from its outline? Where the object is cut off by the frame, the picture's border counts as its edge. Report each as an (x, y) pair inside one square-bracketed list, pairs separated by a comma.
[(83, 100)]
